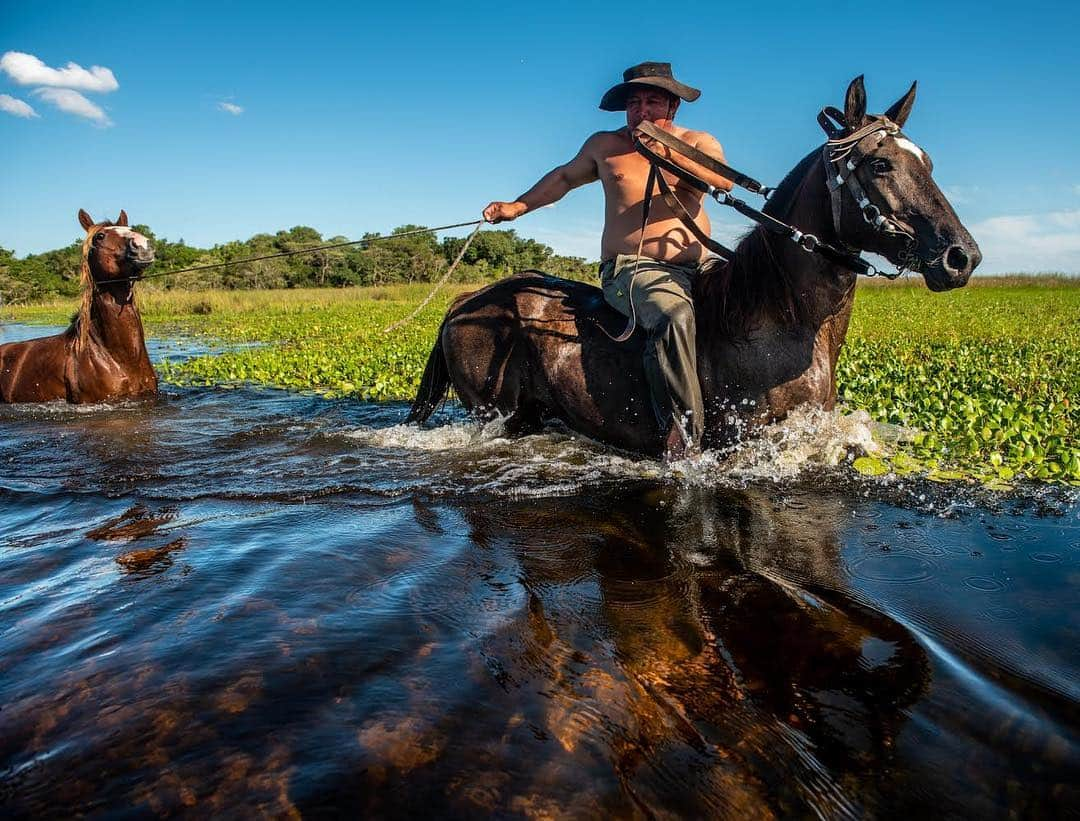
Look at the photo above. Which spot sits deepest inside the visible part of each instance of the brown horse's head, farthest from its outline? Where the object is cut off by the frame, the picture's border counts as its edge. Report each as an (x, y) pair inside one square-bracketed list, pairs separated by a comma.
[(903, 215), (112, 251), (113, 257)]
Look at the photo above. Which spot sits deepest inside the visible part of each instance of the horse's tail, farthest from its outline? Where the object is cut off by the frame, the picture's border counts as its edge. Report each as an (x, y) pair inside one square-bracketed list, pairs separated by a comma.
[(433, 385)]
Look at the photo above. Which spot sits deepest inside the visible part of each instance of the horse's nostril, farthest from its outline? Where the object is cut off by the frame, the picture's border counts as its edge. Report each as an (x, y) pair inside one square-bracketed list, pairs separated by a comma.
[(957, 259)]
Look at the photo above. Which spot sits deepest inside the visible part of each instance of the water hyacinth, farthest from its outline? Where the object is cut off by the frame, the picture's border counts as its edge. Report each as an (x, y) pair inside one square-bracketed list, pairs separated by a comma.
[(988, 376)]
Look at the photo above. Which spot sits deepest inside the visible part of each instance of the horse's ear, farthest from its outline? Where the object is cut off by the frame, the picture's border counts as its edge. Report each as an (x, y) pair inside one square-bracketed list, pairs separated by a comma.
[(855, 104), (85, 220), (900, 110), (122, 219)]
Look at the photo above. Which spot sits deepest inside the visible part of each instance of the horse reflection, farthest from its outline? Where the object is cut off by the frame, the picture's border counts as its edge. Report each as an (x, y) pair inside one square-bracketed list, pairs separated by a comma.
[(708, 629)]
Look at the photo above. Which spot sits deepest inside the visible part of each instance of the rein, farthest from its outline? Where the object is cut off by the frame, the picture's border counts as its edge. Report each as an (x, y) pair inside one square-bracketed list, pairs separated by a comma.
[(837, 149)]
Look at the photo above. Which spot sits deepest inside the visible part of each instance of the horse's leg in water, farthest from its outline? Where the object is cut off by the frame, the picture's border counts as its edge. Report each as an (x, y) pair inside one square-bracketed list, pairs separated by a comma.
[(492, 381)]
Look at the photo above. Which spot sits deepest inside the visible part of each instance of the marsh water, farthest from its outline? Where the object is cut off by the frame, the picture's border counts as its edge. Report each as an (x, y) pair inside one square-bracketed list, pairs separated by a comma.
[(249, 602)]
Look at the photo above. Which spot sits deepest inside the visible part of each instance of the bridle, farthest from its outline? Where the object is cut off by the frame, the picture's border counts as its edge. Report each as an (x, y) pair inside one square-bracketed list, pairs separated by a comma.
[(88, 248), (843, 154)]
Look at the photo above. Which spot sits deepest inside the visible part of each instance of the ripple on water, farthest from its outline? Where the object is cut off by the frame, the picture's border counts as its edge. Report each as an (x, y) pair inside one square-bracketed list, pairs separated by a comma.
[(1045, 558), (984, 584), (893, 568), (1001, 613), (950, 544), (926, 549)]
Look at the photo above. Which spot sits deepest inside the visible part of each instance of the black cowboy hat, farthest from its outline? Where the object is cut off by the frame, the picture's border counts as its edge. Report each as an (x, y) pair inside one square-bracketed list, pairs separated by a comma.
[(657, 75)]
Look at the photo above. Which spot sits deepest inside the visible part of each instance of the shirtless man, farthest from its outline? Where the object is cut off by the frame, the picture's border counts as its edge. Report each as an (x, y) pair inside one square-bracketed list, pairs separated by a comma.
[(659, 280)]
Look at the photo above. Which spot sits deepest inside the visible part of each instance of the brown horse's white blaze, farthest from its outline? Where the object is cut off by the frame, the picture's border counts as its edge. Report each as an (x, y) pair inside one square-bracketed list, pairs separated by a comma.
[(102, 355), (770, 323)]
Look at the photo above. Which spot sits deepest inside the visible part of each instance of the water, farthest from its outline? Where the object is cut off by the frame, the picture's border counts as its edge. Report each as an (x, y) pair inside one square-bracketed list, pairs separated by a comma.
[(247, 602)]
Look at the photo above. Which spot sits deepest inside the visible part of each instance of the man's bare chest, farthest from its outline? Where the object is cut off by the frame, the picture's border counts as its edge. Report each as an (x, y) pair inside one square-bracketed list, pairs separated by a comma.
[(627, 172), (624, 177)]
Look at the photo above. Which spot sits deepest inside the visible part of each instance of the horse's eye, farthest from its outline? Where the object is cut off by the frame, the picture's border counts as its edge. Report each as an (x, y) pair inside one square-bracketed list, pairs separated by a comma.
[(881, 166)]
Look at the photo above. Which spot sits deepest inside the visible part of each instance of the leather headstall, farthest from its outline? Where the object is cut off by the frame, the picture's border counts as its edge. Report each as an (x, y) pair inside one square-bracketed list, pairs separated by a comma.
[(843, 154)]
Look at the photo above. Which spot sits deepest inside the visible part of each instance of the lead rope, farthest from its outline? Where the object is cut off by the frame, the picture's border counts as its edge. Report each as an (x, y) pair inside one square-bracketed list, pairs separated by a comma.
[(646, 204), (439, 284), (366, 241)]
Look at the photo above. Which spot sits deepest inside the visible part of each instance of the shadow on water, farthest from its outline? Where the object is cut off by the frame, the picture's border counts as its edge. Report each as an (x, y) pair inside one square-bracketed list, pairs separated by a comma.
[(255, 603)]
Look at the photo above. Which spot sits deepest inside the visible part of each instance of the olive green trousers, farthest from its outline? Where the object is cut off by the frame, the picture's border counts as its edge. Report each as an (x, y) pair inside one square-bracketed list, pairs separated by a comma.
[(664, 308)]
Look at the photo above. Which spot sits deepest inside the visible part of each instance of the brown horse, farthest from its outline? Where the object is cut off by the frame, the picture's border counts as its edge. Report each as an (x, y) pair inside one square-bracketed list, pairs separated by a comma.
[(770, 323), (102, 355)]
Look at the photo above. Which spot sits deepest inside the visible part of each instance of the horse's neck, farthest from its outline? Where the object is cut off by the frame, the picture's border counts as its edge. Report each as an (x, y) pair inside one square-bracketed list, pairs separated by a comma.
[(818, 289), (116, 325), (826, 289)]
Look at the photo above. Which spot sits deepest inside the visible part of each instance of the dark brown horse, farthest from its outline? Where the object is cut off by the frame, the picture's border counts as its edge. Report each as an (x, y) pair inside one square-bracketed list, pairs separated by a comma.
[(102, 355), (770, 323)]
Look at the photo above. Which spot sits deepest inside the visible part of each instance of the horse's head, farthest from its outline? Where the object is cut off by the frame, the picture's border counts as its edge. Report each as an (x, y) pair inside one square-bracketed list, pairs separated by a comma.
[(113, 251), (884, 199)]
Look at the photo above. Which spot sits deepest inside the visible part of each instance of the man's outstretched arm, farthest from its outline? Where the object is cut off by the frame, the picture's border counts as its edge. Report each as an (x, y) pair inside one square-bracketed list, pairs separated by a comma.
[(552, 187)]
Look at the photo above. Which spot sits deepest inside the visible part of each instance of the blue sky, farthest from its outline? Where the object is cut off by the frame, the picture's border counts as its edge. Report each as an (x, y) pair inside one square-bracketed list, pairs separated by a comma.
[(353, 118)]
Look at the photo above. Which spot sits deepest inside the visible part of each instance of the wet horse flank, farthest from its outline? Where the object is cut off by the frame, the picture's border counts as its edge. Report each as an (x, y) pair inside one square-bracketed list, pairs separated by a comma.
[(102, 355), (770, 323)]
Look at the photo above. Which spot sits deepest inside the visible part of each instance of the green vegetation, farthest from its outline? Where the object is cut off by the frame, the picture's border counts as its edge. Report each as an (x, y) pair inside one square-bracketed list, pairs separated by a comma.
[(417, 258), (987, 377)]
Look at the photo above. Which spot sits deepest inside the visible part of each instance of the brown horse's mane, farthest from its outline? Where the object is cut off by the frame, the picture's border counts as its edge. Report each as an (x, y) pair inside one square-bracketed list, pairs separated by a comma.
[(80, 323), (732, 295)]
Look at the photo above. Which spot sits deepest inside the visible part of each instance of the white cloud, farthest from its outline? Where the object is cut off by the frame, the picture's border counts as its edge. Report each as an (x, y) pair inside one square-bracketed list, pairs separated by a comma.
[(73, 103), (1030, 242), (17, 107), (231, 108), (28, 70)]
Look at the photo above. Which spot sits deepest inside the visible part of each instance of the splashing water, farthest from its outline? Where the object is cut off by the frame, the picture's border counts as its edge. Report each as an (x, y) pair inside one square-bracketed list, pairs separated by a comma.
[(810, 438)]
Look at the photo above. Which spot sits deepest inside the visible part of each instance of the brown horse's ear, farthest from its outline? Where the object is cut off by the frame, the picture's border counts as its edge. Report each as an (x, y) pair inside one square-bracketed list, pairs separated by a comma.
[(855, 104), (122, 219), (900, 110), (85, 220)]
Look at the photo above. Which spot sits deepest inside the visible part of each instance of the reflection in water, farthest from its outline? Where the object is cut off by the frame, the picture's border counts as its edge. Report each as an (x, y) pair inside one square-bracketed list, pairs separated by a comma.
[(693, 655), (141, 527), (248, 603)]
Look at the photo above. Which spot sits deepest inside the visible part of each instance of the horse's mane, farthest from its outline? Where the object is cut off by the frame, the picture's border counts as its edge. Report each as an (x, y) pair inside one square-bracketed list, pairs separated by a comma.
[(753, 283), (81, 321)]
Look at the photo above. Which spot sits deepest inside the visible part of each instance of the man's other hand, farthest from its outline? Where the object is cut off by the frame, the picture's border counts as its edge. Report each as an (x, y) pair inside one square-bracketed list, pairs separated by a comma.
[(504, 211)]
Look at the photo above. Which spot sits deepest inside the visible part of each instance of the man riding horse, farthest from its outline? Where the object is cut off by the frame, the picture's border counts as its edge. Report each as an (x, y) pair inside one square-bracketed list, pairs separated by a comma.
[(646, 268), (773, 313)]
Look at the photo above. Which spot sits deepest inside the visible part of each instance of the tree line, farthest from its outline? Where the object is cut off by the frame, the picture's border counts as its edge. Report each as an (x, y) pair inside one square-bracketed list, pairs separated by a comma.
[(392, 259)]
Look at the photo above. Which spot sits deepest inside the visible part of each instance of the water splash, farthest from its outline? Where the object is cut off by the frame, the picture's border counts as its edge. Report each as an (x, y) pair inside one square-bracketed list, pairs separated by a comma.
[(458, 435), (809, 438), (557, 462)]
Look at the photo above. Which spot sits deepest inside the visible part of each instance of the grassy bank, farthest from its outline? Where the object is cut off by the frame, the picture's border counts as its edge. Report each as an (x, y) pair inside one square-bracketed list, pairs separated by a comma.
[(988, 374)]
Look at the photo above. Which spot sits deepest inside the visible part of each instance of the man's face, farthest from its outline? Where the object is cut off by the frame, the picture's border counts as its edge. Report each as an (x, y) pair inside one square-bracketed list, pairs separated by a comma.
[(650, 104)]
